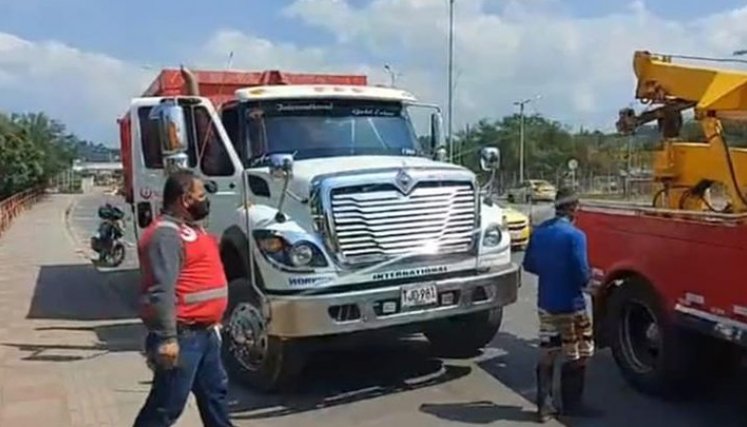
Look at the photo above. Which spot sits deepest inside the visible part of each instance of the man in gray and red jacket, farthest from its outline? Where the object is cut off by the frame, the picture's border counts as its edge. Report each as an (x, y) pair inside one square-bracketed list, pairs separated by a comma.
[(184, 295)]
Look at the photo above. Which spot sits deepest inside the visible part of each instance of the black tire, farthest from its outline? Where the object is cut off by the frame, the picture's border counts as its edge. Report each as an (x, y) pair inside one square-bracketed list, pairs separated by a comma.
[(117, 255), (654, 355), (280, 362), (464, 335)]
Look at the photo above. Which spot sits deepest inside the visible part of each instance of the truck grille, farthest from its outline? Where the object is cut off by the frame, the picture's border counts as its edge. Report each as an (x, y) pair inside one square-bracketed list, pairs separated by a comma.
[(377, 220)]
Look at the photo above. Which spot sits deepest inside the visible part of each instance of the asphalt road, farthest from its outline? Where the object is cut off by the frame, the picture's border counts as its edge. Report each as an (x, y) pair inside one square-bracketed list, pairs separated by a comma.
[(399, 382)]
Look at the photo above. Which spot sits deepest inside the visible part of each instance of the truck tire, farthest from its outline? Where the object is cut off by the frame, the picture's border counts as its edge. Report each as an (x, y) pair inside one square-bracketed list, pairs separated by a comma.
[(654, 355), (264, 362), (464, 335)]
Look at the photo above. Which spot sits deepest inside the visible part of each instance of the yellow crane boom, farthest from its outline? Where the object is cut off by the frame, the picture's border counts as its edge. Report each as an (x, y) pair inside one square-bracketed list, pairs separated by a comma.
[(687, 170)]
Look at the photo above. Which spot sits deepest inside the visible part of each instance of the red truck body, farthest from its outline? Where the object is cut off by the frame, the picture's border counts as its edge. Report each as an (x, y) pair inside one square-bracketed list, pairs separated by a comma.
[(219, 87), (691, 259), (670, 297)]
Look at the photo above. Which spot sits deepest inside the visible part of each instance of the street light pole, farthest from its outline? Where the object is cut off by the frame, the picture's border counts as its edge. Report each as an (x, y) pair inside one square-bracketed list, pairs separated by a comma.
[(521, 140), (392, 74), (451, 77), (521, 105)]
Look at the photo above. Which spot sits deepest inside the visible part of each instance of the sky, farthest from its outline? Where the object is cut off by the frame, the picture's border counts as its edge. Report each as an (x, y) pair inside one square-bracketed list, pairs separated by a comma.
[(81, 61)]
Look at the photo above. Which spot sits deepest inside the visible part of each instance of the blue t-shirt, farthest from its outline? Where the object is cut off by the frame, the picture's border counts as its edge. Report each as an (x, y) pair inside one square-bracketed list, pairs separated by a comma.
[(557, 255)]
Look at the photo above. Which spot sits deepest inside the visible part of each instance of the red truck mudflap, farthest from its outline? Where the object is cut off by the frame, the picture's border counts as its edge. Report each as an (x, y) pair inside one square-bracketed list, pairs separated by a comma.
[(693, 261)]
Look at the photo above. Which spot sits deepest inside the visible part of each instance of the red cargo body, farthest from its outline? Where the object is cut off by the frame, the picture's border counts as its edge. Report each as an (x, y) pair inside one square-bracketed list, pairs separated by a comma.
[(676, 252), (670, 297), (219, 87)]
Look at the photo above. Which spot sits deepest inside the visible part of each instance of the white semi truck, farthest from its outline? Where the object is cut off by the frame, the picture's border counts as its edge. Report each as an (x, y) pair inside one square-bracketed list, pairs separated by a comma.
[(334, 218)]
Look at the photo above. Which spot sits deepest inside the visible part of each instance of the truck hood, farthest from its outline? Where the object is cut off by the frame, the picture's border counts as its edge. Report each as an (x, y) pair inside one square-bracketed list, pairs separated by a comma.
[(304, 171)]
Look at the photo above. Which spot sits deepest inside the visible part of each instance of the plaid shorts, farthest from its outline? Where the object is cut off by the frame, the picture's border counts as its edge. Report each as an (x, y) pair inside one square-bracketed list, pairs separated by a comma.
[(570, 333)]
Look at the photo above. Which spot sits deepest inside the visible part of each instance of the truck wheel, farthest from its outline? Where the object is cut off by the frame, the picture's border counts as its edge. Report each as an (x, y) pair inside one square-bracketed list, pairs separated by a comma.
[(264, 362), (655, 356), (464, 335)]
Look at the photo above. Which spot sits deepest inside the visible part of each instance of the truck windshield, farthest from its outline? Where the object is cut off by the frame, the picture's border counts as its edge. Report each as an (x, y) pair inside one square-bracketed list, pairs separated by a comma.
[(328, 128)]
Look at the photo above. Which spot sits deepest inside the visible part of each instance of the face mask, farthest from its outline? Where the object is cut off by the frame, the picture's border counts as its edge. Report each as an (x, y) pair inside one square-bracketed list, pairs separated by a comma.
[(199, 210)]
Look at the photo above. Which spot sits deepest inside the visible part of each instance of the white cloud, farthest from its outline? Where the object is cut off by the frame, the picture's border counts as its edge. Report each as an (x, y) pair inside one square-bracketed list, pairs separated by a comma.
[(252, 53), (580, 66), (87, 91)]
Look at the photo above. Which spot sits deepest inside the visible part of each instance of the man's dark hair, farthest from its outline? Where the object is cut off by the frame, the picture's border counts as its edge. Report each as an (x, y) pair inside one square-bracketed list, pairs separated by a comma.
[(565, 200), (177, 185)]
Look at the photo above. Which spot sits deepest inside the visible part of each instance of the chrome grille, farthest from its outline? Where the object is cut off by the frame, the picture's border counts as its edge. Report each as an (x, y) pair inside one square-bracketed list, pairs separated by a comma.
[(378, 220)]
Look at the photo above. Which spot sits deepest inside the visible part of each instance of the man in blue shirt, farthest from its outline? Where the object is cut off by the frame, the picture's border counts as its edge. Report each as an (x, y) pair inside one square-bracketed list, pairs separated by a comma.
[(557, 255)]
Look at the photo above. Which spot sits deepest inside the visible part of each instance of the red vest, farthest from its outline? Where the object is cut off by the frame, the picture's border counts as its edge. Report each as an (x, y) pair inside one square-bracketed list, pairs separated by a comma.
[(201, 288)]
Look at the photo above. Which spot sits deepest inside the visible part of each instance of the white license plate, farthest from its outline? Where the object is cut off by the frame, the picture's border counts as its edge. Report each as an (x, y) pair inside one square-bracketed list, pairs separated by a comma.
[(516, 235), (419, 295)]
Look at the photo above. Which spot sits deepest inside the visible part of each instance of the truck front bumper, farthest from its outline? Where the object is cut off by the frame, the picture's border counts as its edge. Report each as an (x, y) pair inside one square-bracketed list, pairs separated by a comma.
[(353, 311)]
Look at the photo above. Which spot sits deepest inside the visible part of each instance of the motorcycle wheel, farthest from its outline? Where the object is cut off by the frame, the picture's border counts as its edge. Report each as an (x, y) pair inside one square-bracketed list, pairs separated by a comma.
[(117, 254)]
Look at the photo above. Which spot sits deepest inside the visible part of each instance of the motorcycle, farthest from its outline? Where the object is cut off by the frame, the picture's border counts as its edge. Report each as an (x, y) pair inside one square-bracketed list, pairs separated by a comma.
[(107, 242)]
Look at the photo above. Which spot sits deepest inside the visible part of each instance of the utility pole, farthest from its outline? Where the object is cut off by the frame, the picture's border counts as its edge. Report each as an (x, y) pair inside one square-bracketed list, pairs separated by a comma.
[(521, 105), (521, 141), (392, 75), (451, 77)]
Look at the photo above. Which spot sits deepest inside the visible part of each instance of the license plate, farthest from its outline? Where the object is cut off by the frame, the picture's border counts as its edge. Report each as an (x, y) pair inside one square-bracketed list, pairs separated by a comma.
[(516, 234), (419, 295)]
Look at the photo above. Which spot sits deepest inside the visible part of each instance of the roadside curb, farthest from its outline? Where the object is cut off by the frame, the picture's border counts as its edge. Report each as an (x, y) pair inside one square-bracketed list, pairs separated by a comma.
[(78, 246)]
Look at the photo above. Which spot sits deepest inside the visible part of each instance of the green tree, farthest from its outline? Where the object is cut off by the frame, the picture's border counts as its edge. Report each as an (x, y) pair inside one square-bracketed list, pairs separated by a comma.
[(33, 149)]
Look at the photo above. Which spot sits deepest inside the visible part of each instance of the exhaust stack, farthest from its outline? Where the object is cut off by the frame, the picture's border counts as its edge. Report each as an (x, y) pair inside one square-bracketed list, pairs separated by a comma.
[(190, 81)]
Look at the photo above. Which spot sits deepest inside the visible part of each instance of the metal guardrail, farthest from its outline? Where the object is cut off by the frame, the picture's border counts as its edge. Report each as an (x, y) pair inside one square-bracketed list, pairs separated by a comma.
[(12, 206)]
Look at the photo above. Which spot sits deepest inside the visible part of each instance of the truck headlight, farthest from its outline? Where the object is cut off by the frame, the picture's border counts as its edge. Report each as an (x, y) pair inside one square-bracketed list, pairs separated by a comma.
[(492, 236), (301, 254)]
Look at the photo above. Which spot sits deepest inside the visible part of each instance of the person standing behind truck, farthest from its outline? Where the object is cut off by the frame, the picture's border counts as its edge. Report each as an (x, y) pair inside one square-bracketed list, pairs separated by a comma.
[(557, 255), (184, 296)]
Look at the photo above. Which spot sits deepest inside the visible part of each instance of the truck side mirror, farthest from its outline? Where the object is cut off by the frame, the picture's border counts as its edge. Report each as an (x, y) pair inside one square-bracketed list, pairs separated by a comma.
[(172, 133), (490, 158), (436, 132), (281, 165)]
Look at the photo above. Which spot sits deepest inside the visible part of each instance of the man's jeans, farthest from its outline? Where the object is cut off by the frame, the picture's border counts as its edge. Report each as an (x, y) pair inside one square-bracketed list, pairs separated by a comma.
[(199, 370)]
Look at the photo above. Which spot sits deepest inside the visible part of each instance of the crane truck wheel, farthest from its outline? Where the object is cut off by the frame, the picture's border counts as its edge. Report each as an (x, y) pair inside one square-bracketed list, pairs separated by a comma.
[(465, 335), (654, 356), (264, 362)]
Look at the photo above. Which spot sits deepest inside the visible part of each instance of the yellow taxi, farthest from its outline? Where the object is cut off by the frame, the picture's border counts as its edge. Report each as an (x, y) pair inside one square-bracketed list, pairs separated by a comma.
[(518, 227)]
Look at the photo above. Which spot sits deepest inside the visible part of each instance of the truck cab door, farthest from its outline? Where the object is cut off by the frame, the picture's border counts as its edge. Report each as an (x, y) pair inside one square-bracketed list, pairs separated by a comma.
[(218, 164), (148, 175), (208, 153)]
